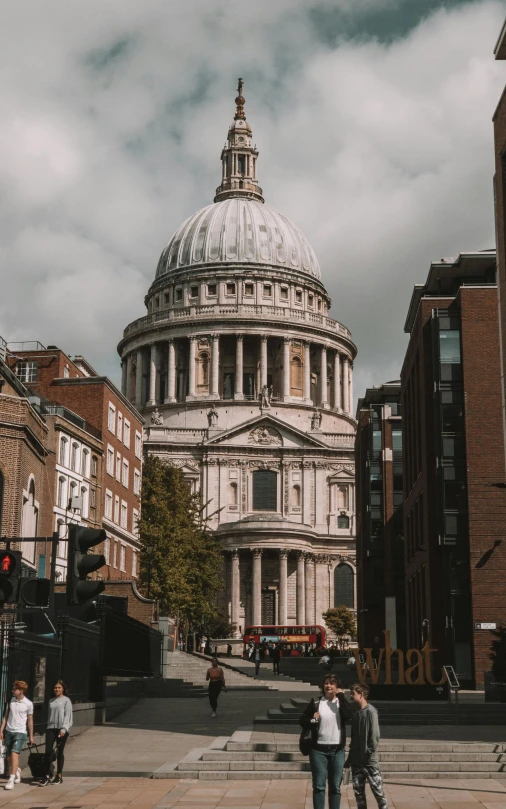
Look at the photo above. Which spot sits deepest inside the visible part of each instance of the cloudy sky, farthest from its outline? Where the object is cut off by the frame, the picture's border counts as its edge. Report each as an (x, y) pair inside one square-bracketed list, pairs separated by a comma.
[(372, 117)]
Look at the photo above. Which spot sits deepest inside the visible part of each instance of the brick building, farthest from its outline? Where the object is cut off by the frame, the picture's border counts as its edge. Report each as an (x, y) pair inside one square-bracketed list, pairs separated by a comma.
[(379, 499), (453, 464), (500, 213), (96, 444), (24, 485)]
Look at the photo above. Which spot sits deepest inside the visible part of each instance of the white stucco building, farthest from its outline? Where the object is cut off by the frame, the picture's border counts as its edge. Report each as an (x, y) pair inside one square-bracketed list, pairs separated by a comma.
[(246, 384)]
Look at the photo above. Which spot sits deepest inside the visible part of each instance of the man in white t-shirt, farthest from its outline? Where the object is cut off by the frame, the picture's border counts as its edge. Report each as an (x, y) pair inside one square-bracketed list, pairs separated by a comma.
[(16, 727)]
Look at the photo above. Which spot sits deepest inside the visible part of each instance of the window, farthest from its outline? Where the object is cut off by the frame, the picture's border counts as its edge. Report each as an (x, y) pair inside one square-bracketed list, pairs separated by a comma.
[(178, 295), (343, 587), (319, 305), (120, 426), (241, 164), (211, 289), (249, 289), (135, 522), (93, 494), (137, 482), (61, 492), (296, 496), (26, 371), (74, 456), (232, 495), (134, 564), (230, 289), (118, 466), (115, 554), (63, 451), (122, 557), (343, 521), (267, 291), (111, 418), (124, 514), (343, 497), (107, 551), (265, 484), (166, 298), (124, 478), (449, 345), (194, 291), (94, 466), (310, 301), (110, 461), (85, 499), (283, 293), (84, 463), (108, 504), (73, 493), (116, 510), (157, 301), (138, 444), (298, 296), (397, 440), (126, 433)]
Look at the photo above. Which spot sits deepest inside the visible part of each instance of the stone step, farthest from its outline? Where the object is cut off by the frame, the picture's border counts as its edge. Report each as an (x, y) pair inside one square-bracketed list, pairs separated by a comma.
[(272, 775), (386, 757), (386, 746)]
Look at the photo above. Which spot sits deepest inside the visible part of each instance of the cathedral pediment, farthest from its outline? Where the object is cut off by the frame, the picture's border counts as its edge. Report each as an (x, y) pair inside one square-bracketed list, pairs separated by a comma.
[(267, 432)]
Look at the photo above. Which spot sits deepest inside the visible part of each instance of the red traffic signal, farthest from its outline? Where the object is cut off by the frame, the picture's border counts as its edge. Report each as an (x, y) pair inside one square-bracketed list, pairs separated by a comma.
[(10, 568), (8, 563)]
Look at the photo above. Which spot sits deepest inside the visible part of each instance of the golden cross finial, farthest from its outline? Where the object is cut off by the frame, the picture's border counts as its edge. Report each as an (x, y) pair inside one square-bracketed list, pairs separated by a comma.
[(240, 101)]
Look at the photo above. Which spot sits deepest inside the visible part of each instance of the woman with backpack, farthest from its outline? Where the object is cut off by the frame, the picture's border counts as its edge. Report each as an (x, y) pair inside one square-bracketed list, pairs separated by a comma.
[(59, 722), (326, 719)]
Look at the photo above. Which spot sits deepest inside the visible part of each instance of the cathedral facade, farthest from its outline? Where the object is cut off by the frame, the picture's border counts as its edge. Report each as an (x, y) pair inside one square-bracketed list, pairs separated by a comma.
[(246, 384)]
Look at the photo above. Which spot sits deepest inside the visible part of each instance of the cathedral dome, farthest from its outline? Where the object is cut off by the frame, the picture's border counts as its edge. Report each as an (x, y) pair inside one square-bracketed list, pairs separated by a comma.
[(238, 230)]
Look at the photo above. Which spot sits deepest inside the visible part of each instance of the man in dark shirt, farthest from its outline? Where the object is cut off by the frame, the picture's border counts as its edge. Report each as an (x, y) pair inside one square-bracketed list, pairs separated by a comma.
[(275, 656), (363, 755)]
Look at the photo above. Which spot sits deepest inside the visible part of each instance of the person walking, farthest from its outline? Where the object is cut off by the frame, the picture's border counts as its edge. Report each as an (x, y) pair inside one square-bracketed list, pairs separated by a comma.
[(203, 642), (326, 717), (216, 683), (363, 754), (257, 657), (16, 728), (276, 656), (59, 722)]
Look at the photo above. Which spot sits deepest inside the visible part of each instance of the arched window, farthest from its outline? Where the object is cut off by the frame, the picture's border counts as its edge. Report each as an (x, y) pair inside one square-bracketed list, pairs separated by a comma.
[(94, 466), (29, 520), (72, 492), (295, 496), (343, 587), (232, 494), (265, 490), (343, 498), (84, 463), (84, 496), (73, 457), (63, 451), (203, 370), (296, 375), (61, 492)]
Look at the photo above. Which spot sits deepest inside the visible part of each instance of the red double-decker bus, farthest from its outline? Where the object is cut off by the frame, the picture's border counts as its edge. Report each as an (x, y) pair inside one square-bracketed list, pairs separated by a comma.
[(289, 638)]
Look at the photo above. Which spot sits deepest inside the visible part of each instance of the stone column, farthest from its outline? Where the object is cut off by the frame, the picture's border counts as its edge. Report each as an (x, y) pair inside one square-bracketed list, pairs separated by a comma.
[(128, 391), (138, 379), (152, 376), (350, 386), (346, 386), (323, 377), (307, 371), (239, 366), (263, 361), (309, 584), (257, 586), (236, 589), (124, 375), (171, 373), (191, 366), (301, 617), (283, 586), (286, 367), (337, 380), (215, 359)]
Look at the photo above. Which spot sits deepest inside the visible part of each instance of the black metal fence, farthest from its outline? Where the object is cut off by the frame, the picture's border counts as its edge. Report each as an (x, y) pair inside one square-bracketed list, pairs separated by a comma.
[(80, 654)]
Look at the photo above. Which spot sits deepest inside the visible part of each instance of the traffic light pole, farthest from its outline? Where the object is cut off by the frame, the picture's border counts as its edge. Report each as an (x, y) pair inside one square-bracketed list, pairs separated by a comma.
[(53, 539)]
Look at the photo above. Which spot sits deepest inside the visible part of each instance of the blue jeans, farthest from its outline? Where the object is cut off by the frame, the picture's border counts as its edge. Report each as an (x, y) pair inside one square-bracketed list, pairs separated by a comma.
[(14, 742), (327, 762)]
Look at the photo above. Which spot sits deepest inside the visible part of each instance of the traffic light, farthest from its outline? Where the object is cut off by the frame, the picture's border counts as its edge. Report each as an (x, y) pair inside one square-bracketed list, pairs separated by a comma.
[(10, 568), (80, 563)]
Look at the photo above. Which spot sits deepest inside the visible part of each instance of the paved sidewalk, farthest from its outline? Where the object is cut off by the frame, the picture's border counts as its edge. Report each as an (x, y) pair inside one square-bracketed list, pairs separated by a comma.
[(137, 793)]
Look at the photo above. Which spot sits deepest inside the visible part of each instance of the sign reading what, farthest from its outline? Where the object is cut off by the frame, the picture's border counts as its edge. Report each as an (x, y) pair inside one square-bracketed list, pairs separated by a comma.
[(414, 666)]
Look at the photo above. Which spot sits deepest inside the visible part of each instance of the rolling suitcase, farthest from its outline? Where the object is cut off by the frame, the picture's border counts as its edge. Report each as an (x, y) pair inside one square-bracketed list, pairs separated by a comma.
[(37, 763)]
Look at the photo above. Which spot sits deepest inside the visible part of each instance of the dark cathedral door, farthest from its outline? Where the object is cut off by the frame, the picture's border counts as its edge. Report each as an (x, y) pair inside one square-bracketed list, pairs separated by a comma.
[(268, 607)]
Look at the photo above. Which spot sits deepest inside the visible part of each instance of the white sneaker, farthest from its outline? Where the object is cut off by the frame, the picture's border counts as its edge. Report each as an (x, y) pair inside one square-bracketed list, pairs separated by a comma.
[(10, 783), (17, 777), (213, 714)]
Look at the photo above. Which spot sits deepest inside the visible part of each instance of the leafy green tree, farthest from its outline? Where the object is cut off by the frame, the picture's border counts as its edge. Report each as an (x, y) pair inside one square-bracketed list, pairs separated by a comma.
[(181, 560), (221, 627), (340, 620)]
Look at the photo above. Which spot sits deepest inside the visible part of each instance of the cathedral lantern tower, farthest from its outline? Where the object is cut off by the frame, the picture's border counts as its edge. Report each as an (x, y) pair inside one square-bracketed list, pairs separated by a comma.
[(245, 382)]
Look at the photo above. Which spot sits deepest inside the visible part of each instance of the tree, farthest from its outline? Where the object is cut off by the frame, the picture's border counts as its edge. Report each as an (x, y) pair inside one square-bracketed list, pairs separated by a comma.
[(220, 626), (181, 559), (340, 620)]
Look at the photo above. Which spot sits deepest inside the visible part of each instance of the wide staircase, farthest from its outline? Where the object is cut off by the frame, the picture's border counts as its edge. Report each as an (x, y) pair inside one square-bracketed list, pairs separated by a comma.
[(186, 677), (400, 713), (399, 760)]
